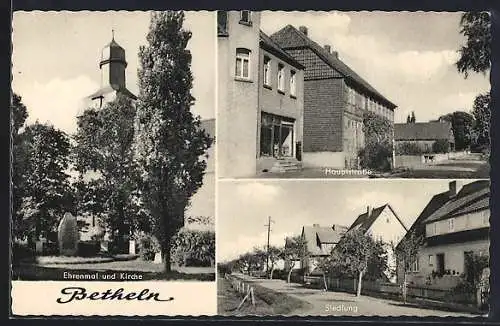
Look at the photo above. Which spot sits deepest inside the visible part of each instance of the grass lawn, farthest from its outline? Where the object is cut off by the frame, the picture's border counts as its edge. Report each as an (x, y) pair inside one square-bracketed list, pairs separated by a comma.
[(148, 270)]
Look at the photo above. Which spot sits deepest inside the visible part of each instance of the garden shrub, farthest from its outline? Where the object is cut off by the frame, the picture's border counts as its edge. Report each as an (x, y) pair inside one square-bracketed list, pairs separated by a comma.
[(88, 248), (148, 247), (409, 148), (441, 146), (21, 252), (193, 248), (376, 156)]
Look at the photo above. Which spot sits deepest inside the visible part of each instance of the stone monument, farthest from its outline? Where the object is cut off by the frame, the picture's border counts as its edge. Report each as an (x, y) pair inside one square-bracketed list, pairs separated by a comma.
[(68, 235)]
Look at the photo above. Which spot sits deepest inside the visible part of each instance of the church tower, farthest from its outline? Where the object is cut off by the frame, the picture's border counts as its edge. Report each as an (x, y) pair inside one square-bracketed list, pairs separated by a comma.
[(112, 66)]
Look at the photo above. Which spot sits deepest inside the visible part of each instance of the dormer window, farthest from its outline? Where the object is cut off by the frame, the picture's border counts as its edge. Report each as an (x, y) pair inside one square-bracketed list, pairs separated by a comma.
[(246, 17), (242, 70)]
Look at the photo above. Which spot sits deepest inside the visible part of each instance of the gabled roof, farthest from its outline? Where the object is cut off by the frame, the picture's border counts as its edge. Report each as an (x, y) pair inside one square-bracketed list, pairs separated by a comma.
[(365, 221), (269, 45), (322, 234), (110, 89), (289, 37), (423, 131), (472, 197)]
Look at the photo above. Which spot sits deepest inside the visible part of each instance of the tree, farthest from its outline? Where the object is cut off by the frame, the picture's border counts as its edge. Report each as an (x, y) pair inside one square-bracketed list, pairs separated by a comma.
[(462, 124), (475, 54), (295, 250), (441, 146), (379, 133), (104, 157), (275, 254), (406, 253), (46, 193), (169, 141), (353, 255), (18, 117), (482, 115)]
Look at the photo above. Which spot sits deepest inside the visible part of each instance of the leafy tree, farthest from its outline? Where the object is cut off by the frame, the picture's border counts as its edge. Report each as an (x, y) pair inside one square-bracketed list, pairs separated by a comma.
[(18, 117), (275, 254), (46, 193), (406, 253), (104, 157), (482, 115), (353, 255), (441, 146), (462, 124), (193, 248), (295, 250), (475, 54), (169, 141), (379, 133)]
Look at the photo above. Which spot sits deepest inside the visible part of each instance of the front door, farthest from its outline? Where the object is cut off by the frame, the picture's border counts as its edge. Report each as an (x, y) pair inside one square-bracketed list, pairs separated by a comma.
[(440, 264)]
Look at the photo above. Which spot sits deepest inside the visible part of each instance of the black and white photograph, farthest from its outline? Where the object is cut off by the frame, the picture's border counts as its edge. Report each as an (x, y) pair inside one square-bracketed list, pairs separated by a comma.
[(113, 146), (353, 248), (353, 94)]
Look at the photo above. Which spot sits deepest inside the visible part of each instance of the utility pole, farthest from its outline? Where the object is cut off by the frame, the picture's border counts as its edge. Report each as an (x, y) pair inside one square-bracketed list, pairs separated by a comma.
[(268, 234)]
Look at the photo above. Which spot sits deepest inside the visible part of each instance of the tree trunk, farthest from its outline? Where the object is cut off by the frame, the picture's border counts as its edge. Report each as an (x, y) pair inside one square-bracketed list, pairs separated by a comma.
[(166, 256), (271, 274), (360, 278), (324, 282), (289, 275)]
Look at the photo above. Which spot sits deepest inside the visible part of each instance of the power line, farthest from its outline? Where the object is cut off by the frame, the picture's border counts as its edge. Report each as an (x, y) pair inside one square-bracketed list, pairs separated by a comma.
[(268, 235)]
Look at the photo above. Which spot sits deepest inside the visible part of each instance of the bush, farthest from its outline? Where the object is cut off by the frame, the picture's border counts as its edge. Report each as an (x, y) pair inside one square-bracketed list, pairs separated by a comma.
[(280, 274), (376, 156), (22, 252), (409, 148), (193, 248), (441, 146), (88, 248), (148, 247)]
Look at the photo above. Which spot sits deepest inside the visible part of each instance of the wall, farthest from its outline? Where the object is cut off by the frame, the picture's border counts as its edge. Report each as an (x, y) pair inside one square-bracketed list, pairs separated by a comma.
[(272, 101), (332, 160), (453, 260), (324, 101), (237, 100)]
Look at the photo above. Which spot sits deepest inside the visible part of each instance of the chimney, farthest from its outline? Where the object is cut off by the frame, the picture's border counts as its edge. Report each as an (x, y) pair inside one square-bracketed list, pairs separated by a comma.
[(336, 54), (327, 48), (316, 225), (303, 30), (368, 210), (454, 188)]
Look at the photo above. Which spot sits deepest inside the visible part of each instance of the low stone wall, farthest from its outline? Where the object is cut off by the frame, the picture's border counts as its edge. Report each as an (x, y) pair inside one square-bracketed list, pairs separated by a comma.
[(415, 161)]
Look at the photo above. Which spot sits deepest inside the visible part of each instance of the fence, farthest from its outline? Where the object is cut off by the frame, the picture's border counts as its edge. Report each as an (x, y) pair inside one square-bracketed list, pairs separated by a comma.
[(242, 288), (390, 290)]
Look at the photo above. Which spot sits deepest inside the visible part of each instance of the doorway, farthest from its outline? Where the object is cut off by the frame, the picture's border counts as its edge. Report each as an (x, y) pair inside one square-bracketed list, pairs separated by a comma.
[(276, 136)]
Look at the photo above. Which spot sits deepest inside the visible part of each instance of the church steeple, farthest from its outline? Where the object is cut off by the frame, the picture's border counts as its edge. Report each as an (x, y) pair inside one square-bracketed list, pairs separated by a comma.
[(113, 64)]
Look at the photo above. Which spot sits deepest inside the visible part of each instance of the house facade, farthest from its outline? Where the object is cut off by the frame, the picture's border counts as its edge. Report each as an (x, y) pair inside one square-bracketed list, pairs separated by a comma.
[(383, 224), (335, 98), (260, 99), (455, 229), (424, 134), (320, 241)]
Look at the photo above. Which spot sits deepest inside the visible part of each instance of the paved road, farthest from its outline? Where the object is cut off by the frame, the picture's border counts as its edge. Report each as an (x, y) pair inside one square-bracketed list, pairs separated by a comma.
[(346, 304)]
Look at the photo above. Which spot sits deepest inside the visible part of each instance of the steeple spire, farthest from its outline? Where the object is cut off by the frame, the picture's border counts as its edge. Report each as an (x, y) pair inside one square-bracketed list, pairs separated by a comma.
[(113, 34)]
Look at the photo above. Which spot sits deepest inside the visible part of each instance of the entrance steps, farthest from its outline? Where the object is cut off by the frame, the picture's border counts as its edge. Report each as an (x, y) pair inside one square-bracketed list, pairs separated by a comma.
[(286, 165)]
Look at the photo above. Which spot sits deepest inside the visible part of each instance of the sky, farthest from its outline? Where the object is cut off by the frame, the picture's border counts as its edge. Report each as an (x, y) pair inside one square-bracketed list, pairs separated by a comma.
[(244, 207), (56, 59), (407, 56)]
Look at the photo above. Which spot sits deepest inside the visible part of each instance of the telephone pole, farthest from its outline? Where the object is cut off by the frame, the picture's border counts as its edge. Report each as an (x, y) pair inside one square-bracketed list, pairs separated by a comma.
[(268, 234)]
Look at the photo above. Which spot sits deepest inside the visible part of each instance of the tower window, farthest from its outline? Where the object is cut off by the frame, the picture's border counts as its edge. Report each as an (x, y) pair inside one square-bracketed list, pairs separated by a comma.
[(267, 71), (246, 17), (242, 63), (222, 23)]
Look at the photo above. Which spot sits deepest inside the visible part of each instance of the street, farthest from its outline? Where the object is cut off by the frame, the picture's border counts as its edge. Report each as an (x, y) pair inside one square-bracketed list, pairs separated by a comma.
[(346, 304)]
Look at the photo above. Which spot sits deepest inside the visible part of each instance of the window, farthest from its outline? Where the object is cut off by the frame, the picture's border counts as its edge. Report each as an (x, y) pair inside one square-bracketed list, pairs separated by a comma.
[(246, 17), (293, 83), (277, 136), (242, 63), (281, 77), (451, 224), (435, 229), (267, 71), (222, 23), (414, 266), (431, 260)]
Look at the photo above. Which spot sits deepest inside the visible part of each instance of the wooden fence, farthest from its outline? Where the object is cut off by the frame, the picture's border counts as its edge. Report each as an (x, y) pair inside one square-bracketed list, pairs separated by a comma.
[(244, 289)]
